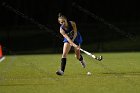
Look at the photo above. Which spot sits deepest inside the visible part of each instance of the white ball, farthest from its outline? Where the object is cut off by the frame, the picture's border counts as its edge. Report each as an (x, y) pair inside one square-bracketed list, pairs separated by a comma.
[(88, 73)]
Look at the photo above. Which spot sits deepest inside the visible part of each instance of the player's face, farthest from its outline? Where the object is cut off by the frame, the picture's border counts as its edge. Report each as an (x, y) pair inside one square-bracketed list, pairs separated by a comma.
[(62, 21)]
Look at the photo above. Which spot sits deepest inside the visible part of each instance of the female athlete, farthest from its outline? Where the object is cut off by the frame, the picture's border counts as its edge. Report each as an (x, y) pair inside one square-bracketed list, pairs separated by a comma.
[(73, 38)]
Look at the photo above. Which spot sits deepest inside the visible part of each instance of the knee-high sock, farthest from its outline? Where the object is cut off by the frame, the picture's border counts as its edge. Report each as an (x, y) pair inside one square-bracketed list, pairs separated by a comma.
[(81, 58), (63, 64)]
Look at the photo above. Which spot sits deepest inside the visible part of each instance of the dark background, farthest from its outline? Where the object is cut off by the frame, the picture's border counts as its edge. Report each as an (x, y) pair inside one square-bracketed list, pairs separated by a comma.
[(31, 26)]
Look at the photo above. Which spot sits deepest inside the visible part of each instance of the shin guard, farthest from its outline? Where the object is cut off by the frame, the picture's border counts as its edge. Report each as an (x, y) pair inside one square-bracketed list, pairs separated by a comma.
[(63, 64)]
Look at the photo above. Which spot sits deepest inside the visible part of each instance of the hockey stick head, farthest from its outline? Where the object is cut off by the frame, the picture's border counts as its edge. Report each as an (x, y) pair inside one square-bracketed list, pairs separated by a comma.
[(99, 58)]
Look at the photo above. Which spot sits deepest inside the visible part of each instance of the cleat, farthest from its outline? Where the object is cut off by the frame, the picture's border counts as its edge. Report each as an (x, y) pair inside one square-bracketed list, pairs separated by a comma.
[(83, 63), (59, 72)]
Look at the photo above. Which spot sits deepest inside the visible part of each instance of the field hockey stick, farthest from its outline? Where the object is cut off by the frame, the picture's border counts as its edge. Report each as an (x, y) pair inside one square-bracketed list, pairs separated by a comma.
[(91, 55)]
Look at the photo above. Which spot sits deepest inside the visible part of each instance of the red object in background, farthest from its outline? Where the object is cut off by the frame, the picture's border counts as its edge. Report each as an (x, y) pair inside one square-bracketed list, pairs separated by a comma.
[(1, 52), (1, 55)]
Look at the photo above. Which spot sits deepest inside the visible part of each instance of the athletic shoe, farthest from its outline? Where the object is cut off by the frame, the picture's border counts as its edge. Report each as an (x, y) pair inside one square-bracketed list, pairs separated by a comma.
[(59, 72), (83, 63)]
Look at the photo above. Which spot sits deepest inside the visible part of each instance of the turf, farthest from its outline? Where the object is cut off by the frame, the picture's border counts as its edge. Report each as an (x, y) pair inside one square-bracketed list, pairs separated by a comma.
[(117, 73)]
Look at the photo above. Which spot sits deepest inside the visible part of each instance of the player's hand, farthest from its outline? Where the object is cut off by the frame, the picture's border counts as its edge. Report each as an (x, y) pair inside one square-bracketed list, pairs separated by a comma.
[(76, 46)]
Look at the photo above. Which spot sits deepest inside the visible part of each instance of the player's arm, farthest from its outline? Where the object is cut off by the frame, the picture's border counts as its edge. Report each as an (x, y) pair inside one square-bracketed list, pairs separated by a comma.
[(74, 29), (67, 37)]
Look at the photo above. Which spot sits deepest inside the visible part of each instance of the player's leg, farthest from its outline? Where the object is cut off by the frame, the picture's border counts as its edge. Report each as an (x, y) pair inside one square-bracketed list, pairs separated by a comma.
[(66, 49), (80, 57)]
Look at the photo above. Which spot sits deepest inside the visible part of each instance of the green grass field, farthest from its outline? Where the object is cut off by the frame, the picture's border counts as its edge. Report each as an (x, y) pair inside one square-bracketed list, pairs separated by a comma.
[(117, 73)]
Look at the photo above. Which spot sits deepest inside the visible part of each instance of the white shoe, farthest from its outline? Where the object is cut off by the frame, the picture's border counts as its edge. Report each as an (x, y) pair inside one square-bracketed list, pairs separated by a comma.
[(59, 72), (83, 63)]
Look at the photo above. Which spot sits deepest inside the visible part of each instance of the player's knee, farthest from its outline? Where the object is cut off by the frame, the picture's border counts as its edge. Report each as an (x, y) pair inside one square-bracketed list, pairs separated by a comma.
[(77, 56)]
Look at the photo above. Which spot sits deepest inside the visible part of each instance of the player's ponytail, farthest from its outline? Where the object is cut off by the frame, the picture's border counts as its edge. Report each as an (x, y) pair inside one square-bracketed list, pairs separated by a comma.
[(59, 15)]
